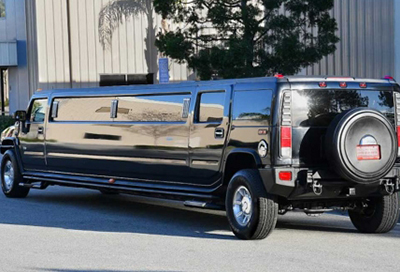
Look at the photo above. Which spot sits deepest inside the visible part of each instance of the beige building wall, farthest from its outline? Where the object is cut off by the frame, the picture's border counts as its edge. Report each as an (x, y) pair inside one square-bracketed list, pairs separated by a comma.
[(13, 35), (367, 45), (71, 55)]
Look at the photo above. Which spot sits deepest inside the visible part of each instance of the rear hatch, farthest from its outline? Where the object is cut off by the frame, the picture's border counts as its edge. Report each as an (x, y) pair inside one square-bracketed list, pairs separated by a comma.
[(313, 109)]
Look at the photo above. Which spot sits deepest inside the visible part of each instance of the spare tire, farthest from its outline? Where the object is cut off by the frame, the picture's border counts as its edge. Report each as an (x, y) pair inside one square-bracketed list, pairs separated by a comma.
[(353, 140)]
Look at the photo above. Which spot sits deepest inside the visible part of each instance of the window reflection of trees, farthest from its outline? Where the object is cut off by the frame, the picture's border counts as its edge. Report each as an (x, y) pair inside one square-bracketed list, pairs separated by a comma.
[(264, 114), (325, 105)]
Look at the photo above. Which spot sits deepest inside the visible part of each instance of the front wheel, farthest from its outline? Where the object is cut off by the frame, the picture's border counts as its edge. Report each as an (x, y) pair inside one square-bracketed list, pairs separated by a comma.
[(252, 213), (378, 215), (11, 177)]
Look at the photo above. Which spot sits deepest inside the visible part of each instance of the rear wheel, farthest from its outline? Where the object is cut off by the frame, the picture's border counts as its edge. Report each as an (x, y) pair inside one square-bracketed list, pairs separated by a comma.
[(379, 215), (251, 212), (11, 177)]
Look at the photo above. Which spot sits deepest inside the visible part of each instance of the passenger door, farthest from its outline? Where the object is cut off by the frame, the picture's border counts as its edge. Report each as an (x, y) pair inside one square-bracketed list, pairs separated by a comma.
[(154, 135), (32, 137), (208, 133), (79, 138)]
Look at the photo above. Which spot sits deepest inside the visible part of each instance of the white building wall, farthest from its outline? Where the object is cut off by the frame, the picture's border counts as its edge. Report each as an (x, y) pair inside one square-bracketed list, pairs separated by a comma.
[(127, 54), (13, 28), (366, 47)]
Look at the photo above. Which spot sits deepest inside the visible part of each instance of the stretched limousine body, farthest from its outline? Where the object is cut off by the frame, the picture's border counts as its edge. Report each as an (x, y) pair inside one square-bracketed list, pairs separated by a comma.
[(252, 146)]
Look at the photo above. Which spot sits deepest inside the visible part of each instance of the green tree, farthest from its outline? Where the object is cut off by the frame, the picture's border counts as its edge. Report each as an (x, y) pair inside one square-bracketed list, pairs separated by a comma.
[(247, 38), (2, 9)]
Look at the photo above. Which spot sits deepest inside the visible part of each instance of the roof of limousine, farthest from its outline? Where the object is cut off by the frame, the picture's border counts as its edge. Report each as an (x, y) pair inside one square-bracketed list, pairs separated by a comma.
[(188, 84)]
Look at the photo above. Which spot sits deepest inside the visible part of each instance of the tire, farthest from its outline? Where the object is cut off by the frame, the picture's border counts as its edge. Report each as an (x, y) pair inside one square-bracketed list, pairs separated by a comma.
[(11, 177), (380, 217), (358, 128), (263, 212)]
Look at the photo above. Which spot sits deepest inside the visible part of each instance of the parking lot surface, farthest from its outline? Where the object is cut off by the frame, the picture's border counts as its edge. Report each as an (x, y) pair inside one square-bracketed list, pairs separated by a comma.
[(63, 229)]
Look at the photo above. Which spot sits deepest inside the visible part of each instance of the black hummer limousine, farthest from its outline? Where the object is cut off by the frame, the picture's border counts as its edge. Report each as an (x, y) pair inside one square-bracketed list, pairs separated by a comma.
[(254, 147)]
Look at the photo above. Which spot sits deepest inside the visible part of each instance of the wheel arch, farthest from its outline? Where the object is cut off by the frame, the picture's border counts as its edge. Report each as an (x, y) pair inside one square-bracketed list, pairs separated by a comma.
[(7, 144), (12, 144), (239, 159)]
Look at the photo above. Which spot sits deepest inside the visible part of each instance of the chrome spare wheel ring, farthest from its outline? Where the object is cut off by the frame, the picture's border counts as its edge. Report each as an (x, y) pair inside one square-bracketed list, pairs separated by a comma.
[(8, 175), (242, 206)]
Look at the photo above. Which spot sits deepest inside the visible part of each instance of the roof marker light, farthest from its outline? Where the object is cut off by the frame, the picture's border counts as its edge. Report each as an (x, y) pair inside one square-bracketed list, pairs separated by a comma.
[(279, 76), (343, 85), (363, 85), (323, 84), (389, 77)]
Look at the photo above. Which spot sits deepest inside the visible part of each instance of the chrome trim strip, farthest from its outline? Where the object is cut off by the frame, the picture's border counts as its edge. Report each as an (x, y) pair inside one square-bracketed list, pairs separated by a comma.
[(199, 162), (115, 158), (33, 153)]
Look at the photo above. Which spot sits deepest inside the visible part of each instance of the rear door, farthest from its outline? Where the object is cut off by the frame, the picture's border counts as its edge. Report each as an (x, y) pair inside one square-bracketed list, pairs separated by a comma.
[(208, 132), (153, 131), (32, 138)]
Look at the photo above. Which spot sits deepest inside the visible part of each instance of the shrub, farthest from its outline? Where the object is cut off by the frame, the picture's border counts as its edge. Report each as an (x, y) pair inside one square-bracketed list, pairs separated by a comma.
[(6, 121)]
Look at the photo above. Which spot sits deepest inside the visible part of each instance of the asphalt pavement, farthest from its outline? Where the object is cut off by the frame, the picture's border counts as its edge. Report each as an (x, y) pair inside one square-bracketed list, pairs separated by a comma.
[(67, 229)]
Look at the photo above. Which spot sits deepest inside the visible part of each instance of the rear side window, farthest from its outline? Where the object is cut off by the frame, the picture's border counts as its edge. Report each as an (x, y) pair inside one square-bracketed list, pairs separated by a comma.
[(320, 107), (84, 109), (252, 106), (211, 107), (38, 110), (152, 108)]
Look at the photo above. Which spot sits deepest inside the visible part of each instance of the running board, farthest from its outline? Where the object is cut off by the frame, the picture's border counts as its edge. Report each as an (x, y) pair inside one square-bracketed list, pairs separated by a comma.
[(203, 205), (40, 186), (120, 188)]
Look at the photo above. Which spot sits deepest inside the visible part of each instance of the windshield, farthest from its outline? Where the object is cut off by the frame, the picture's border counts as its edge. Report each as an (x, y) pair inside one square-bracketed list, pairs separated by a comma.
[(320, 107)]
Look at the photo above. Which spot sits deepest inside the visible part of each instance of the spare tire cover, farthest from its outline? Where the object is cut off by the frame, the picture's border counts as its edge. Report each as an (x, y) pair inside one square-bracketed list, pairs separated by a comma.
[(354, 129)]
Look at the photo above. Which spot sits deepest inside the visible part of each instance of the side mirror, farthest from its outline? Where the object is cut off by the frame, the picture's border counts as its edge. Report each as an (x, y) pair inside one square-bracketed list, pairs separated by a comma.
[(20, 116)]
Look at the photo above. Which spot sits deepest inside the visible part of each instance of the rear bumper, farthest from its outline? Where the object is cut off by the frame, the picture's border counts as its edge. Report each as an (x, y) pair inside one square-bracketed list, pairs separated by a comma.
[(305, 184)]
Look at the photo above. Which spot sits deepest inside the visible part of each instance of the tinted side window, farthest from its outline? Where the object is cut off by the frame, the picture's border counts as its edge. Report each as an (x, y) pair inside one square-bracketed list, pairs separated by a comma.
[(84, 109), (252, 105), (211, 107), (38, 110), (154, 108)]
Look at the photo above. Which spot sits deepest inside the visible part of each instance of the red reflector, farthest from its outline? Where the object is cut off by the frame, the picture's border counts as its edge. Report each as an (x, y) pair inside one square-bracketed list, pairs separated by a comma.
[(398, 136), (363, 85), (322, 84), (279, 76), (368, 152), (287, 176), (343, 85), (286, 137)]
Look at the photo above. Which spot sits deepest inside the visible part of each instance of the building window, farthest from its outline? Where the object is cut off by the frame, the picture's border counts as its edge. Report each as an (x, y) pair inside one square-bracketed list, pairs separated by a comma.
[(2, 9), (122, 79)]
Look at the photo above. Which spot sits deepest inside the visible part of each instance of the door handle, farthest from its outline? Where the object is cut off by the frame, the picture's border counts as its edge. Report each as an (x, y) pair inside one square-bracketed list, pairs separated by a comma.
[(40, 130), (219, 133)]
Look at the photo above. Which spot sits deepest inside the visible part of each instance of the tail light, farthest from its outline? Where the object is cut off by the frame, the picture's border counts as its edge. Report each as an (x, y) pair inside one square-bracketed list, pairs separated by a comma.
[(397, 96), (286, 127)]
